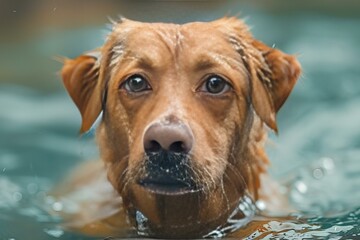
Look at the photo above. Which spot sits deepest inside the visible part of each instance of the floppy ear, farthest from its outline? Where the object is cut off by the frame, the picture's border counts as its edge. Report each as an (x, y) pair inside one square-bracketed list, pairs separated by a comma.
[(273, 79), (80, 77)]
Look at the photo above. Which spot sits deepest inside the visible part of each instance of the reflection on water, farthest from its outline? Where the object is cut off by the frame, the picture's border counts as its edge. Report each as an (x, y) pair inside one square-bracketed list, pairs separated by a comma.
[(326, 187), (316, 155)]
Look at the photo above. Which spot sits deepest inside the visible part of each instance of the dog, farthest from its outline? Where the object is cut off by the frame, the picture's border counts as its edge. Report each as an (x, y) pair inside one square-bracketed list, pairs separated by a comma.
[(184, 115)]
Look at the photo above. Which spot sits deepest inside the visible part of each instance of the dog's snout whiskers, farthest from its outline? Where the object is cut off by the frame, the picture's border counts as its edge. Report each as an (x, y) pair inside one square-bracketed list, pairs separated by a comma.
[(168, 170), (168, 163)]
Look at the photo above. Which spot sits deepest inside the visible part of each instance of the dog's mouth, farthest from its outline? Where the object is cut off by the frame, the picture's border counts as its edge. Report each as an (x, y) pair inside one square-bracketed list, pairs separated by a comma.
[(168, 173), (166, 185)]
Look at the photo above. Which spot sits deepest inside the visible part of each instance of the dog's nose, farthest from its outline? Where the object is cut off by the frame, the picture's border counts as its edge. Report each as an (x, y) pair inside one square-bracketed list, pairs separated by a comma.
[(171, 137)]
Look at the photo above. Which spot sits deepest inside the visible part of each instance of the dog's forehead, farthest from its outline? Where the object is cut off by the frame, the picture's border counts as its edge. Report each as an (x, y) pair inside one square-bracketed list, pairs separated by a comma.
[(154, 41), (173, 35)]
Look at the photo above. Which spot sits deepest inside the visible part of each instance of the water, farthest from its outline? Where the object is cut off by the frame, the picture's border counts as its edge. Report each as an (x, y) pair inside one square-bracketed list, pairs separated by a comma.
[(315, 156)]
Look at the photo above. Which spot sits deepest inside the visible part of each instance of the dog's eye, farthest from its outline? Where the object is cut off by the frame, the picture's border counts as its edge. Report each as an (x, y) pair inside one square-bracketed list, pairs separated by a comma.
[(136, 83), (215, 84)]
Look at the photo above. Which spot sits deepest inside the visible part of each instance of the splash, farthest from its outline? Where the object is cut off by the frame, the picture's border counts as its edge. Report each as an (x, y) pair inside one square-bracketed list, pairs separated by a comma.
[(241, 216)]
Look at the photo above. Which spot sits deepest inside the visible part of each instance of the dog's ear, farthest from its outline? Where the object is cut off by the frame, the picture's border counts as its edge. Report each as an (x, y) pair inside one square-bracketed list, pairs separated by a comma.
[(273, 79), (80, 77)]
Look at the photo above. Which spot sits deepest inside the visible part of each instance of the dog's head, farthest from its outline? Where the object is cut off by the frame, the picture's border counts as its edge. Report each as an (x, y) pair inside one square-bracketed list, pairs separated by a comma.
[(183, 109)]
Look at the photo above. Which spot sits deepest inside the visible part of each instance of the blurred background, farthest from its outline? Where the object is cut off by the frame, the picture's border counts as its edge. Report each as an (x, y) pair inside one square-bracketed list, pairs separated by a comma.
[(32, 32), (319, 142)]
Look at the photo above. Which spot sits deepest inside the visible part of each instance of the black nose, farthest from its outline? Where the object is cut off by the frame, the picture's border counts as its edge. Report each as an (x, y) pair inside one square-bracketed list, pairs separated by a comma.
[(171, 138)]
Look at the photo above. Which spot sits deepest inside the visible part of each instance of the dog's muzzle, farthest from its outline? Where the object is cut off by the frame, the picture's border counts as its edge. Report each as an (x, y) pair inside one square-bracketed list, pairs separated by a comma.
[(167, 165)]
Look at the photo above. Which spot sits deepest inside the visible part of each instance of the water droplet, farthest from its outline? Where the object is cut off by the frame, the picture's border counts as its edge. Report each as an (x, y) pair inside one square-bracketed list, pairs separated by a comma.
[(328, 163), (17, 196), (301, 187), (141, 221), (318, 173), (57, 206), (261, 205), (54, 232)]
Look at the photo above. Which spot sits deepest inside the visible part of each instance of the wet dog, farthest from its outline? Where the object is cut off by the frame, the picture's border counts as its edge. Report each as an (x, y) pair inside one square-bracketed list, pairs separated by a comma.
[(184, 115)]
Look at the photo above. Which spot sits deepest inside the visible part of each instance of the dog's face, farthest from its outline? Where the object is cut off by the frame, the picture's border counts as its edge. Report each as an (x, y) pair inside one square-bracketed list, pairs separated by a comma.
[(183, 111)]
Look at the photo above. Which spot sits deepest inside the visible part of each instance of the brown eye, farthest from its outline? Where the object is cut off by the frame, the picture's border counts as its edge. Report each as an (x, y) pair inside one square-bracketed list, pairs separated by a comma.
[(215, 84), (136, 83)]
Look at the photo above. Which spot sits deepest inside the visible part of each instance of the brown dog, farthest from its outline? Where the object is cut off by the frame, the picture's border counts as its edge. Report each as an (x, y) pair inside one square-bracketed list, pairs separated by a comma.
[(184, 109)]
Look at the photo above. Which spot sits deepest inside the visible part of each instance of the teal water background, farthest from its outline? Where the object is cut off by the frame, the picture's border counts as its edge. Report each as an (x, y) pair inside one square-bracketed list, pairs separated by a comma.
[(316, 155)]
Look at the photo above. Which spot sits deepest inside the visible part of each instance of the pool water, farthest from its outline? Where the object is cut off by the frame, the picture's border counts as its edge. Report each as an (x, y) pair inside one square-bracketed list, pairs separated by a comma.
[(316, 156)]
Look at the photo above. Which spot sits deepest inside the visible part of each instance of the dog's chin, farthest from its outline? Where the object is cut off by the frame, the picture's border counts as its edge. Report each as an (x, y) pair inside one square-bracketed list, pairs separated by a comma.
[(166, 211), (175, 210)]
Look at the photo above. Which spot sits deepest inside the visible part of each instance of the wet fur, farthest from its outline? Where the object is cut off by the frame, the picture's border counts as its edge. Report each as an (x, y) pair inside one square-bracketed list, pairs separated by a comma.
[(228, 160)]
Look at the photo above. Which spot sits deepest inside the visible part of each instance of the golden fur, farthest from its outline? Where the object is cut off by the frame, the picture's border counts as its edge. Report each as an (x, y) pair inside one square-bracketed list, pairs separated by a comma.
[(227, 158)]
